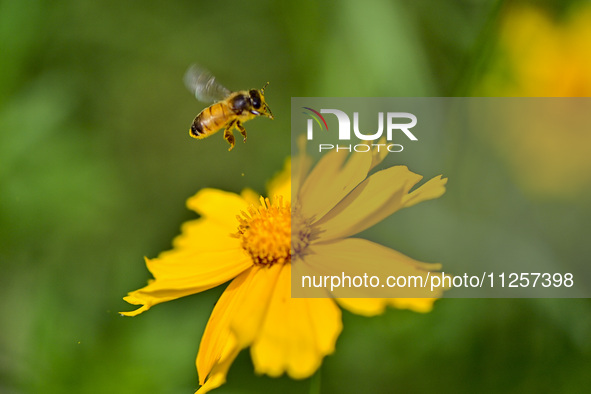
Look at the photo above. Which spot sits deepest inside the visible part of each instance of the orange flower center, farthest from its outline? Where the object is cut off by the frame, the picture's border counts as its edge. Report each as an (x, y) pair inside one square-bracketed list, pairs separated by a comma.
[(265, 232)]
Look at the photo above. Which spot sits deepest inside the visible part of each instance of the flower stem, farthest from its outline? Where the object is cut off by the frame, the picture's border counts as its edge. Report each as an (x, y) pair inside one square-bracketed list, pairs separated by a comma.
[(315, 382), (481, 51)]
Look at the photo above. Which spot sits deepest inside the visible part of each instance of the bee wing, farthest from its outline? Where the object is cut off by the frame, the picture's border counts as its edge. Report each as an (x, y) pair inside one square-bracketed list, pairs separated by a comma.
[(204, 86)]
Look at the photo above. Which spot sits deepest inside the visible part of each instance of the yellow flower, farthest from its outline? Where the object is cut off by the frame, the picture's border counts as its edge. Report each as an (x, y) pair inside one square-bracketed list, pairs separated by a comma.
[(540, 55), (249, 240), (544, 55)]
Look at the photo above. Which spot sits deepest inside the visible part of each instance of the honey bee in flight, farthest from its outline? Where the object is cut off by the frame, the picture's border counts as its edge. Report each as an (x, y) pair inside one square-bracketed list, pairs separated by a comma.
[(230, 109)]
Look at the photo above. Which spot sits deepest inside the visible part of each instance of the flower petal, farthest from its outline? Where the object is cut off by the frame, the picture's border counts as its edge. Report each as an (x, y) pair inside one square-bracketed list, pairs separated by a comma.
[(296, 333), (377, 306), (422, 305), (368, 203), (300, 166), (354, 257), (378, 197), (218, 373), (219, 206), (330, 181), (432, 189), (255, 299), (250, 196), (203, 235), (280, 185), (378, 155), (364, 306), (180, 274), (218, 344)]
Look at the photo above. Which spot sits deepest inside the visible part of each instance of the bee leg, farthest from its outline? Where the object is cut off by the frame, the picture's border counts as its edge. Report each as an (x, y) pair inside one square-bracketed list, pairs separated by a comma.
[(228, 134), (241, 128)]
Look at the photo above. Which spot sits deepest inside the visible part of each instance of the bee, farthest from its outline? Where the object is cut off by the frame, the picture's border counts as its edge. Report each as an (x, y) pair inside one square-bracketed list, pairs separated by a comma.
[(230, 109)]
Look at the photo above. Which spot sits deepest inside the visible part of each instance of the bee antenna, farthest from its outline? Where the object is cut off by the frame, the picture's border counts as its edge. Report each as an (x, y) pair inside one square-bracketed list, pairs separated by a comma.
[(263, 88)]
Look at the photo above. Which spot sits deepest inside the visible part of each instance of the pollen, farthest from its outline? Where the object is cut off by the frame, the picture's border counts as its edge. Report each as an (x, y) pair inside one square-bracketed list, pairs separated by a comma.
[(265, 232)]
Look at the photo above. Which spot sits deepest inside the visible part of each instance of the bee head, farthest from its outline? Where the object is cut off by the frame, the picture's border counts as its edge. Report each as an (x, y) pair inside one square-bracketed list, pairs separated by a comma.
[(257, 99)]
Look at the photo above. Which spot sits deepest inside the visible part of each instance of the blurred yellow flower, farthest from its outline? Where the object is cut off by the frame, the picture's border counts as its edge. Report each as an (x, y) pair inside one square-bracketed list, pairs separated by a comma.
[(541, 56), (544, 55), (249, 239)]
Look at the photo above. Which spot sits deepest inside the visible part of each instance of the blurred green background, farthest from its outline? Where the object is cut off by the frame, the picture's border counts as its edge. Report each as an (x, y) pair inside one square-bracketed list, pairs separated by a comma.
[(96, 164)]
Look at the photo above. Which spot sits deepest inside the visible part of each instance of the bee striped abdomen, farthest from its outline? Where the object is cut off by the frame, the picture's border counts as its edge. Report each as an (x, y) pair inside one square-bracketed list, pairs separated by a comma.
[(196, 128), (210, 120)]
